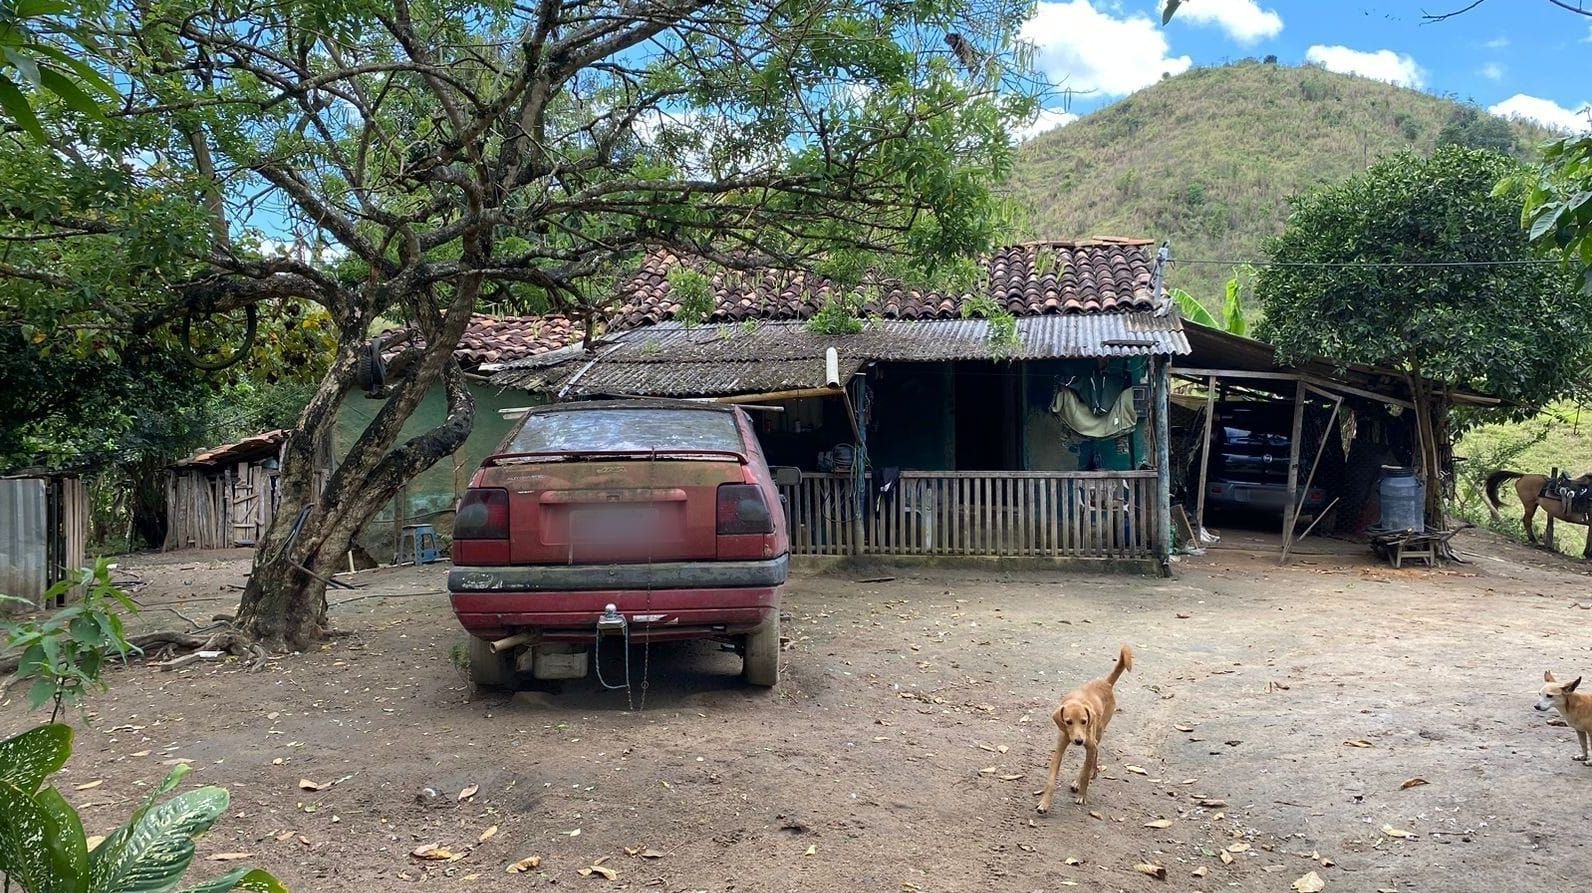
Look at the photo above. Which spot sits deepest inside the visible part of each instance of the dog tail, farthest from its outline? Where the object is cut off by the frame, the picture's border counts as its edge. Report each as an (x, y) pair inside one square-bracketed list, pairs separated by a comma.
[(1495, 480), (1124, 663)]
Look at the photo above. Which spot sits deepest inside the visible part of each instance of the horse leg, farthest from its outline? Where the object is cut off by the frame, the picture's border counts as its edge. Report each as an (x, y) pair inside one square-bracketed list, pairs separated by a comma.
[(1527, 519), (1547, 531)]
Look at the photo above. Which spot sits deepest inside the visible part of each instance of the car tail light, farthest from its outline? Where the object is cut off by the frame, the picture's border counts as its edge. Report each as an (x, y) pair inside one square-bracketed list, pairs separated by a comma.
[(483, 515), (742, 510), (1317, 495)]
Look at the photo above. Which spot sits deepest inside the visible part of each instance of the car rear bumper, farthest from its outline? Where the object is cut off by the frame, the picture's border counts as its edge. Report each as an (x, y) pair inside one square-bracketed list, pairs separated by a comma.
[(605, 577), (1256, 497), (661, 601)]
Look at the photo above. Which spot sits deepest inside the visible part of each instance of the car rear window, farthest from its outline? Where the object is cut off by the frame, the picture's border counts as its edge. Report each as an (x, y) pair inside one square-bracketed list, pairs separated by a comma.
[(627, 429)]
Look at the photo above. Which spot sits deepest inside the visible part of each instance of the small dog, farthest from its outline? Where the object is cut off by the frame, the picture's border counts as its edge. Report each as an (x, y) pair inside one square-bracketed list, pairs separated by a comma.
[(1081, 719), (1575, 708)]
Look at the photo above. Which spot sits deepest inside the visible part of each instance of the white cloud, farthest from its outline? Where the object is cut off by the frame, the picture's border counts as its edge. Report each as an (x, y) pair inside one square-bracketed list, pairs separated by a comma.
[(1086, 49), (1243, 20), (1047, 120), (1497, 43), (1381, 65), (1546, 112), (1492, 71)]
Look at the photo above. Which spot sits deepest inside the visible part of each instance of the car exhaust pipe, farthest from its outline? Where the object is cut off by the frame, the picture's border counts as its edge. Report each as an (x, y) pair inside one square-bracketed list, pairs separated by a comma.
[(514, 641)]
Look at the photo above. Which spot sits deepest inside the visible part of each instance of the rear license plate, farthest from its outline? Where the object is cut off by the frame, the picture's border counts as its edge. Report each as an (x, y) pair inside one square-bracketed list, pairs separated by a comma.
[(613, 524)]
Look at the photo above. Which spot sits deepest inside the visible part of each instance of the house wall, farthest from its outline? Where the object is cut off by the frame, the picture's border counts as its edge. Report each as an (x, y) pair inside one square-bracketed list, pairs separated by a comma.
[(1051, 446), (430, 497)]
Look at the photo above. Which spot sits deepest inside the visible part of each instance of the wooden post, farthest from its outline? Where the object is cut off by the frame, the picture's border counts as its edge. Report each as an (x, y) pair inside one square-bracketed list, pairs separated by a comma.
[(1205, 458), (1287, 535), (1289, 511), (400, 505), (1163, 471)]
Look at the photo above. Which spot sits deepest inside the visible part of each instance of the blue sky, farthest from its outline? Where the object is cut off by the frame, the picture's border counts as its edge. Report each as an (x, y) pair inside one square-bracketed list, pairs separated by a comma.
[(1525, 58)]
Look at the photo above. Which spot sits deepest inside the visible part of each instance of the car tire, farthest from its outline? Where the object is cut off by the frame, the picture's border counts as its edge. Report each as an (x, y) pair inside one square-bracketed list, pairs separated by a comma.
[(760, 665), (489, 669)]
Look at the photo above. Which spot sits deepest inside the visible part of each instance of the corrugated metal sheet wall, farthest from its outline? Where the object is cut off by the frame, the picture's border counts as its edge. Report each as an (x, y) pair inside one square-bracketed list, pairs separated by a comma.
[(24, 533)]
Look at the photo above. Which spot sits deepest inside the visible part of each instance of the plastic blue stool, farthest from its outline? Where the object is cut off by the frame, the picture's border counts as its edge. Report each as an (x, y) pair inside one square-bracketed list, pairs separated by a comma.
[(419, 541)]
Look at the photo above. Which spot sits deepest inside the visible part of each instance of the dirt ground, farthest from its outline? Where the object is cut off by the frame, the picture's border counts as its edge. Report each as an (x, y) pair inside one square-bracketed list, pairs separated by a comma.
[(905, 746)]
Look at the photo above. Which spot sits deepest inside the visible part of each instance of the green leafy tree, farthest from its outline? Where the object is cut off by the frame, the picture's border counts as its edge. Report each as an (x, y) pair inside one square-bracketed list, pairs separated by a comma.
[(1471, 128), (1557, 211), (1420, 266), (42, 51), (433, 156)]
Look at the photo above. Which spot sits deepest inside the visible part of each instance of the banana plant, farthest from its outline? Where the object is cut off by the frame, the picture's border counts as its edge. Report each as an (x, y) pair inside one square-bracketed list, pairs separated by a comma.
[(43, 849), (1232, 320)]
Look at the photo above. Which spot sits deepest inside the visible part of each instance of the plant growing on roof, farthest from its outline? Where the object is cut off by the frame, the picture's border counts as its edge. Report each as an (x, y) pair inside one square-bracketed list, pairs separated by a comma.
[(1002, 332), (838, 315), (693, 291)]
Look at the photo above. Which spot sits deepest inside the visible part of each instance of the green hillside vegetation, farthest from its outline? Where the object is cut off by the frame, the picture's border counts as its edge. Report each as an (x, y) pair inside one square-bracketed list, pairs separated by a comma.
[(1210, 158)]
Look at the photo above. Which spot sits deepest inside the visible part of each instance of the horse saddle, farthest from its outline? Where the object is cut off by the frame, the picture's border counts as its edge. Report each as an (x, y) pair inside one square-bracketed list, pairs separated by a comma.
[(1575, 494)]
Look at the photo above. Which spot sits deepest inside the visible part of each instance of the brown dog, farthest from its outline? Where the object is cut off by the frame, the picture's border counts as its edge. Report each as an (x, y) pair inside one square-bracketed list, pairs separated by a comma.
[(1575, 708), (1081, 718)]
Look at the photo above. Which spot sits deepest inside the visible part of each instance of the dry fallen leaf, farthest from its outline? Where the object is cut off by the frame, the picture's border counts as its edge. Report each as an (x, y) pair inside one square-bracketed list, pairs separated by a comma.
[(284, 837), (1413, 783), (1152, 870), (1227, 858), (987, 770), (1096, 815), (651, 854), (1201, 871), (632, 851), (1135, 770), (1073, 860), (1010, 777), (1210, 802), (811, 851), (1358, 742), (433, 852), (95, 841), (229, 857), (1183, 727), (307, 785), (1310, 883), (1391, 831), (988, 747), (1158, 823), (469, 792), (488, 834), (89, 785), (1239, 847), (603, 870), (529, 863)]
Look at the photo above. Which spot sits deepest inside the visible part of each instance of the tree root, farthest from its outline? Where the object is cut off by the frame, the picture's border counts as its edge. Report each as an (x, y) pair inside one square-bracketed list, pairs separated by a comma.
[(161, 649)]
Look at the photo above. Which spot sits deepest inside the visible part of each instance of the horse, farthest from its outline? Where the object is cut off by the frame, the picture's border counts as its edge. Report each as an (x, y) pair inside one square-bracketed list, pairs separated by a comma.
[(1529, 488)]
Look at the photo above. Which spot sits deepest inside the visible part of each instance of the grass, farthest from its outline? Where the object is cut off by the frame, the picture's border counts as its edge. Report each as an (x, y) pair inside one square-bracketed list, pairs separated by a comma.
[(1559, 436), (1210, 159)]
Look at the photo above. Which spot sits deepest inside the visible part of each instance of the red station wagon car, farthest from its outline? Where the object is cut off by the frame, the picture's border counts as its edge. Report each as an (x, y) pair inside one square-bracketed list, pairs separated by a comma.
[(608, 522)]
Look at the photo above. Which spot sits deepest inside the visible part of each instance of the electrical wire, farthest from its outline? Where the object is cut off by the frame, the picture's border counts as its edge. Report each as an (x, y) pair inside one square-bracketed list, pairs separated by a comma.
[(1529, 262)]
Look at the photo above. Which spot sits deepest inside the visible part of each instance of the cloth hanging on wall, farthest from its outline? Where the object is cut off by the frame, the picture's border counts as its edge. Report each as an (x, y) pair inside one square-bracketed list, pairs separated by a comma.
[(1075, 414)]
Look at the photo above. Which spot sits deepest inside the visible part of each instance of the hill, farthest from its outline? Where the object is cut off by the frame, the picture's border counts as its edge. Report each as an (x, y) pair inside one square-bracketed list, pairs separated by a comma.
[(1211, 158)]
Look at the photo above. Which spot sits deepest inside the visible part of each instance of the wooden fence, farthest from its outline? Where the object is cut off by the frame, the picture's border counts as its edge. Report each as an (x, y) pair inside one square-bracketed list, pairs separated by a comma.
[(989, 513)]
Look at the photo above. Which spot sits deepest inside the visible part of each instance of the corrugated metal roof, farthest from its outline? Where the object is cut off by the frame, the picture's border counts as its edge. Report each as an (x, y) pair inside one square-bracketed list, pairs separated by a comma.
[(671, 359)]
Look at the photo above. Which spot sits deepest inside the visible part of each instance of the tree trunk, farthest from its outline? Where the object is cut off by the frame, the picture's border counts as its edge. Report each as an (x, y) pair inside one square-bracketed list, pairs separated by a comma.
[(284, 603), (1431, 467)]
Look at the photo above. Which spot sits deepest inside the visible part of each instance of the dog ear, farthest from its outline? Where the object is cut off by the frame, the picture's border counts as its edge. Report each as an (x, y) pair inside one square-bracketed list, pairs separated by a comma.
[(1570, 686), (1547, 676)]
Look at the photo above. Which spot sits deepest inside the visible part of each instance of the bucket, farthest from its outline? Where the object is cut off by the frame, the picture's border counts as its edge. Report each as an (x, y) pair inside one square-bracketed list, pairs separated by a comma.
[(1403, 499)]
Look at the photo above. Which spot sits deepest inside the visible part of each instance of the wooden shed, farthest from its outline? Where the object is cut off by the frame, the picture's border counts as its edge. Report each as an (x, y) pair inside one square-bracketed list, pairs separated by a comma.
[(225, 496)]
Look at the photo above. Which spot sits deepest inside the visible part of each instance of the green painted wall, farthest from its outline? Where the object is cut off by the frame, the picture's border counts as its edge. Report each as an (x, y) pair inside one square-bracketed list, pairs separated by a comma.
[(1051, 446), (432, 494)]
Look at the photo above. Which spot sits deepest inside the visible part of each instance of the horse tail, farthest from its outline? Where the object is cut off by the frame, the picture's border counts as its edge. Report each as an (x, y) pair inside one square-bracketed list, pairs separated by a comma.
[(1493, 481)]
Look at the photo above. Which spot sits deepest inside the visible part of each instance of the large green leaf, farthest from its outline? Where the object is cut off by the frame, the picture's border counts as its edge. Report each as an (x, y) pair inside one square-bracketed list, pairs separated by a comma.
[(29, 758), (1193, 310), (41, 842), (1233, 308), (14, 104), (151, 854), (252, 879)]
